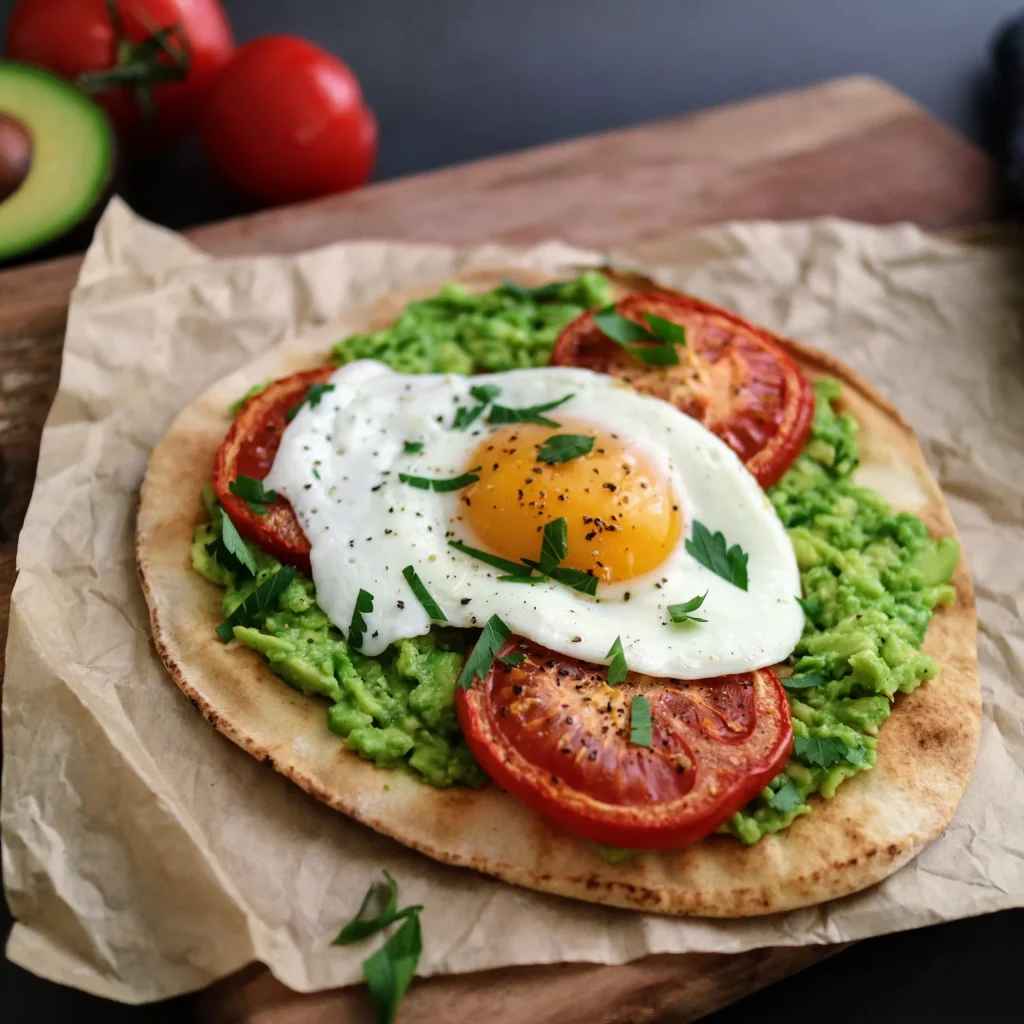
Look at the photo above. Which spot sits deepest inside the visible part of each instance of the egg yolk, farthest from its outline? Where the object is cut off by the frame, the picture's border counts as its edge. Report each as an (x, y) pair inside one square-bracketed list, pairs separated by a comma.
[(622, 517)]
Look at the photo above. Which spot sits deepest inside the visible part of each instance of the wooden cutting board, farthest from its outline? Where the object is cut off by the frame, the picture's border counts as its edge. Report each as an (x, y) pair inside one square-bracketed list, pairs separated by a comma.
[(853, 147)]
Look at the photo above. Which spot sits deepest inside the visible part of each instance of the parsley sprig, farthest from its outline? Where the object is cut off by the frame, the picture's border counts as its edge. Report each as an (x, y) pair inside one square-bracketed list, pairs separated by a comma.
[(258, 603), (711, 551), (251, 491), (681, 612), (480, 659), (389, 971), (564, 447), (657, 341)]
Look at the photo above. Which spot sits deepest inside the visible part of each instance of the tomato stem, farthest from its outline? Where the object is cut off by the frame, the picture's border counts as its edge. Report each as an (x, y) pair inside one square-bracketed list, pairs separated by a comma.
[(163, 56)]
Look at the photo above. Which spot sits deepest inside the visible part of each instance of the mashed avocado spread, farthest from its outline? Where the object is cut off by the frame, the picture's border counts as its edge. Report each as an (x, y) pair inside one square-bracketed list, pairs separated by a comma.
[(871, 578)]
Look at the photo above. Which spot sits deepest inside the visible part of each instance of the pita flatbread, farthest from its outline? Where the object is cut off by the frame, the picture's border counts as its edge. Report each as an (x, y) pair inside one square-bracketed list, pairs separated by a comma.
[(877, 822)]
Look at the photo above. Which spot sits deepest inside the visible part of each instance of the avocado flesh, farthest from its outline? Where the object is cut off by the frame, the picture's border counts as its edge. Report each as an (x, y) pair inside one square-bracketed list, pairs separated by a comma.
[(72, 158)]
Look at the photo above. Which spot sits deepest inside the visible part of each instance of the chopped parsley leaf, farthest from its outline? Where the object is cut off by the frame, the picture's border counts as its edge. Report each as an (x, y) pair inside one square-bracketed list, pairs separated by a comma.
[(787, 797), (313, 396), (251, 491), (465, 416), (681, 612), (554, 545), (617, 670), (364, 604), (316, 392), (513, 568), (478, 664), (805, 682), (485, 392), (526, 414), (711, 551), (412, 447), (553, 549), (455, 483), (230, 550), (564, 447), (381, 897), (389, 971), (822, 752), (430, 606), (258, 602), (236, 407), (627, 333), (640, 721)]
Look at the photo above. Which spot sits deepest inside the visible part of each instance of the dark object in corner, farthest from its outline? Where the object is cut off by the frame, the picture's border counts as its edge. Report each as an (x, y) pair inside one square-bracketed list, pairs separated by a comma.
[(1007, 114)]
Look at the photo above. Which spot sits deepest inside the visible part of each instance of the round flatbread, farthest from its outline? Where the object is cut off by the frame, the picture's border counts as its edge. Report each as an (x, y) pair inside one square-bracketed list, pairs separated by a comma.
[(877, 822)]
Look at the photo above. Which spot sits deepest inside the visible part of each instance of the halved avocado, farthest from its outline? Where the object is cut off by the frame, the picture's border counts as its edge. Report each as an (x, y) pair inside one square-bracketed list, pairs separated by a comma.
[(56, 157)]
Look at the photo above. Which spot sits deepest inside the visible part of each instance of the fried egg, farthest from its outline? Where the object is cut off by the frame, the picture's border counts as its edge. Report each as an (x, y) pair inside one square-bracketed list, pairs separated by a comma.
[(387, 471)]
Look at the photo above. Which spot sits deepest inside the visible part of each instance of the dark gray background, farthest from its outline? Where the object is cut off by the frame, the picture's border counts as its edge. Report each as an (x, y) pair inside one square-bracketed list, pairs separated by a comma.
[(453, 80)]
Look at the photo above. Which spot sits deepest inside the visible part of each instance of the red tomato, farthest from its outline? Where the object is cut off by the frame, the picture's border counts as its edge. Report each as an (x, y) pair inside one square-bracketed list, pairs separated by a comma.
[(249, 450), (555, 735), (79, 37), (733, 376), (286, 121)]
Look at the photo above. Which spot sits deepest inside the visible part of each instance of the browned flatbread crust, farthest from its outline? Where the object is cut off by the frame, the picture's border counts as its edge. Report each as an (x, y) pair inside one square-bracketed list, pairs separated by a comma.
[(877, 822)]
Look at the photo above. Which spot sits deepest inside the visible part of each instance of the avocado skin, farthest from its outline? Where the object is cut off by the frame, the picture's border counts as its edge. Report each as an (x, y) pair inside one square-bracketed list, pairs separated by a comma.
[(74, 183)]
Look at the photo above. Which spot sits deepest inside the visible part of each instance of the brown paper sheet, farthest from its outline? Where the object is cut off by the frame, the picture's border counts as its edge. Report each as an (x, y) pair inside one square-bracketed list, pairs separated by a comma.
[(144, 855)]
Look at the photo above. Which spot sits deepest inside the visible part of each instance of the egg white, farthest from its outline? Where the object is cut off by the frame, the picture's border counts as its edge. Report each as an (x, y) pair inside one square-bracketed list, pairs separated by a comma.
[(365, 525)]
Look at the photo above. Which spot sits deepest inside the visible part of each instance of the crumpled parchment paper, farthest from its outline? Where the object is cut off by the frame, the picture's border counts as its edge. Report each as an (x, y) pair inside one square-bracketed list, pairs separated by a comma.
[(144, 855)]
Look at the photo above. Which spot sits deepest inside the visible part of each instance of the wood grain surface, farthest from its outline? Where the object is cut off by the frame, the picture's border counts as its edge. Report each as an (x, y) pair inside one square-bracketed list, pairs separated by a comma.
[(665, 988), (853, 148)]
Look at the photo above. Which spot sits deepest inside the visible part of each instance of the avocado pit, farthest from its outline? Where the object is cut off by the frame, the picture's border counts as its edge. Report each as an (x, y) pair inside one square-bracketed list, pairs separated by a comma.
[(15, 154)]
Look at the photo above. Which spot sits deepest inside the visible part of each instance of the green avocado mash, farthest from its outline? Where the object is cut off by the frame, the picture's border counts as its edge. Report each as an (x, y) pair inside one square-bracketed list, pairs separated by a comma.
[(398, 710), (458, 332), (871, 579)]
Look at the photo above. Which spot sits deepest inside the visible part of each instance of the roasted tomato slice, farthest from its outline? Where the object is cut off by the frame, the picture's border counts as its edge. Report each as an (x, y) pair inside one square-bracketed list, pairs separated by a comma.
[(732, 376), (556, 736), (249, 450)]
